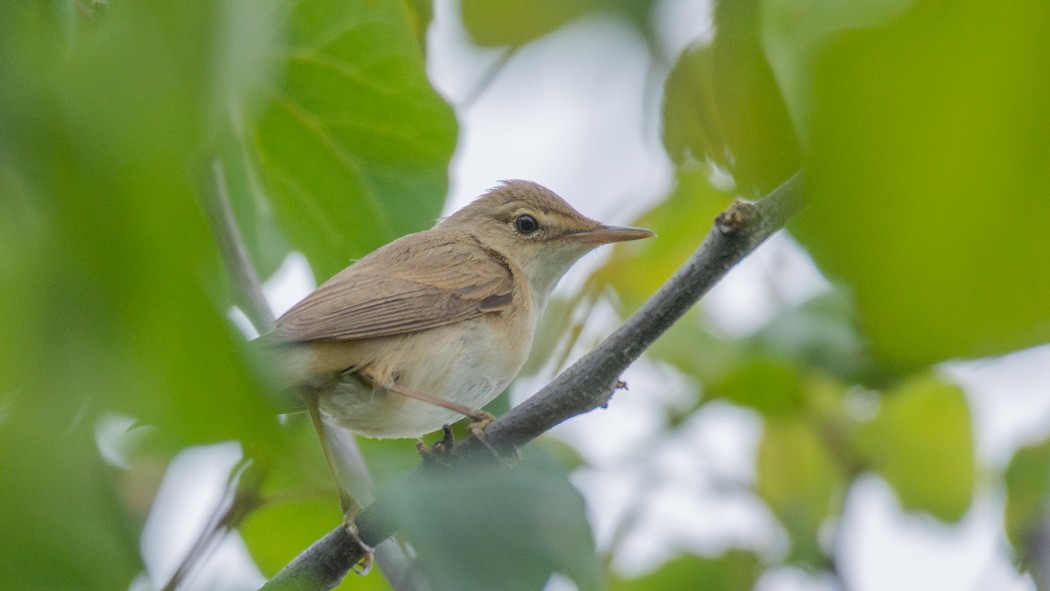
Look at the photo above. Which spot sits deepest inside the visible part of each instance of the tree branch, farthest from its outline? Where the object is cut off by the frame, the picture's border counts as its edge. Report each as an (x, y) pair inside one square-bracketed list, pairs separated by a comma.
[(246, 288), (584, 386)]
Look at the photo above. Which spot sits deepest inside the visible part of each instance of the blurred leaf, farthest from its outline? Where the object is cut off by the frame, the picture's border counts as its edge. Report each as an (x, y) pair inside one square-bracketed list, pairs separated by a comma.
[(723, 105), (421, 14), (390, 460), (696, 350), (122, 309), (799, 480), (736, 570), (129, 276), (927, 180), (300, 501), (822, 333), (353, 145), (922, 443), (25, 232), (516, 22), (1028, 499), (568, 457), (764, 371), (508, 529), (266, 244), (247, 57), (769, 386), (794, 31), (57, 498), (278, 532)]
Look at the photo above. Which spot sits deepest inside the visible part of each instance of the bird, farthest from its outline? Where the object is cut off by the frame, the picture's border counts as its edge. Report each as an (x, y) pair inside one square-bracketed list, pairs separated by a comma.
[(432, 326)]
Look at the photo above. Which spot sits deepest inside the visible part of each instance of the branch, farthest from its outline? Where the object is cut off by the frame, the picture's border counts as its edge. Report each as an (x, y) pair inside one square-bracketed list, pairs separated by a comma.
[(247, 291), (589, 382), (584, 386)]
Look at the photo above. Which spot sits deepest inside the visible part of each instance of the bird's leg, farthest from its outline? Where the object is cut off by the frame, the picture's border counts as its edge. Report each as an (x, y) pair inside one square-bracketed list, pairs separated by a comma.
[(479, 419), (440, 453), (348, 504), (476, 415)]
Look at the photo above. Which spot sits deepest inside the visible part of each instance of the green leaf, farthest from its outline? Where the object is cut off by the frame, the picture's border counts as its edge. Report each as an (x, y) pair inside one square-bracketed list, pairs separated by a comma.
[(516, 22), (799, 480), (284, 527), (123, 306), (927, 183), (736, 570), (353, 144), (822, 333), (64, 517), (262, 235), (921, 442), (300, 501), (770, 386), (697, 350), (281, 530), (722, 105), (508, 529), (1027, 492), (421, 14), (129, 284)]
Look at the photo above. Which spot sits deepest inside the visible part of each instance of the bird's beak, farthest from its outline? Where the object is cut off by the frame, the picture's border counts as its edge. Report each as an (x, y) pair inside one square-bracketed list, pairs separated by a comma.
[(605, 234)]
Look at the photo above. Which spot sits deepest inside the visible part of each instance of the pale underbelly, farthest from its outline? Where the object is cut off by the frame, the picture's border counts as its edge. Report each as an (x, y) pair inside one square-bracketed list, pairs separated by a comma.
[(464, 364)]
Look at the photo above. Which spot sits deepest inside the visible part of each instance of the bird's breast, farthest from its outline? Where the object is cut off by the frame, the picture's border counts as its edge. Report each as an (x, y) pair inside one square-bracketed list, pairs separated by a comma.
[(469, 362)]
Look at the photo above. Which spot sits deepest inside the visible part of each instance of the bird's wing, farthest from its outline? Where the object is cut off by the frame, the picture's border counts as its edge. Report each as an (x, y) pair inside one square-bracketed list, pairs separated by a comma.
[(406, 286)]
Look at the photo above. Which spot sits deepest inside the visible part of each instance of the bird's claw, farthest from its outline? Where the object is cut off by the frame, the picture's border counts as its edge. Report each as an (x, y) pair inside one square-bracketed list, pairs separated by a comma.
[(363, 566), (477, 427), (479, 421), (440, 453)]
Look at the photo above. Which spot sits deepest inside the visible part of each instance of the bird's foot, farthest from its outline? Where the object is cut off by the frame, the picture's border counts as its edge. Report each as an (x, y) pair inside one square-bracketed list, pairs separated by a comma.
[(439, 454), (363, 566), (479, 422)]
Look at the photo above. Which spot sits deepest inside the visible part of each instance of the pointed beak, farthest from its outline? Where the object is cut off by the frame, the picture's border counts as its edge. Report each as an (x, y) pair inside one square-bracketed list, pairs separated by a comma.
[(606, 234)]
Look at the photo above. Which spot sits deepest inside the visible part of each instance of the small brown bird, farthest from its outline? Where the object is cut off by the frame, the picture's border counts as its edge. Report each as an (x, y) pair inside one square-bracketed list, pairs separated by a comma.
[(436, 324)]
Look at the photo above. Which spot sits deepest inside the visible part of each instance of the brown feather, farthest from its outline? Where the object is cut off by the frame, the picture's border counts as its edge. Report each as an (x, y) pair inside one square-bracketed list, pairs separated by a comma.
[(381, 295)]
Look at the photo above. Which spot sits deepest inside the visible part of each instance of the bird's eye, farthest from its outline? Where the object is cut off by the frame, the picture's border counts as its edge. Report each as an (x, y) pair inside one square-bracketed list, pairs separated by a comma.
[(526, 224)]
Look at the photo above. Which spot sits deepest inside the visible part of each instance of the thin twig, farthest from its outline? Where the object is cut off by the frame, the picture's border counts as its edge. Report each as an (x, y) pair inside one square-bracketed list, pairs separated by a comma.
[(247, 290), (239, 498), (584, 386)]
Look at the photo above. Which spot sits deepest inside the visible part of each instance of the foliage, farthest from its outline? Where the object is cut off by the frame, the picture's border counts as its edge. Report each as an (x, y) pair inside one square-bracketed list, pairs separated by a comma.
[(922, 128), (954, 106)]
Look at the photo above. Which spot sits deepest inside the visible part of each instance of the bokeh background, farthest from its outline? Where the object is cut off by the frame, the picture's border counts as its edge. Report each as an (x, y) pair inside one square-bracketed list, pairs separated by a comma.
[(862, 404)]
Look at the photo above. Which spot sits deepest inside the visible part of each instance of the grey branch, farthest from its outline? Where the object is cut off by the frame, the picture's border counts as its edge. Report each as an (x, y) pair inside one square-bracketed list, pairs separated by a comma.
[(584, 386), (247, 291)]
